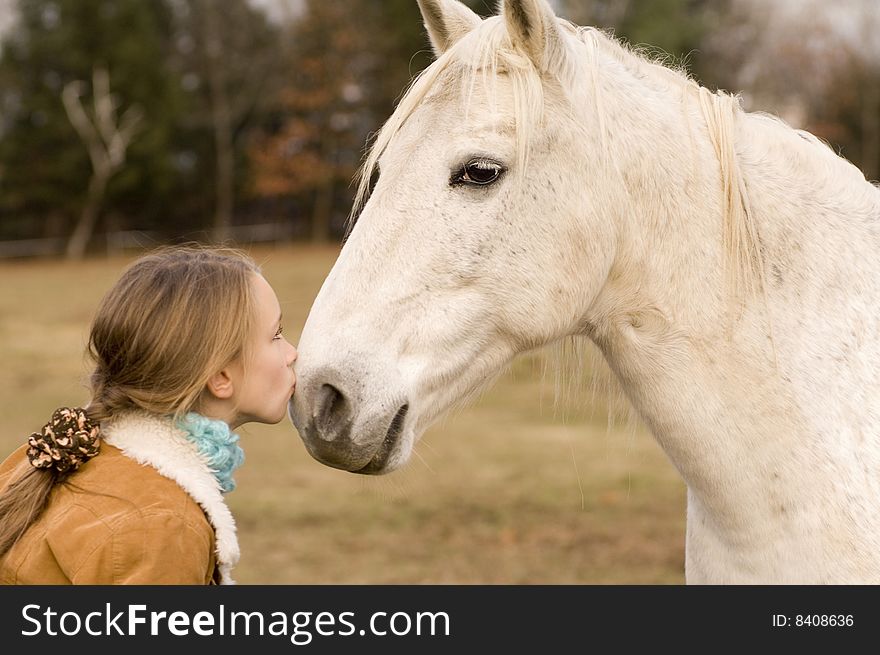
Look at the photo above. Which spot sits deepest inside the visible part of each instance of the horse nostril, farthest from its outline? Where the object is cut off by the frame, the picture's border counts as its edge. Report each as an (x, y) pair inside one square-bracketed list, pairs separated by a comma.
[(331, 410)]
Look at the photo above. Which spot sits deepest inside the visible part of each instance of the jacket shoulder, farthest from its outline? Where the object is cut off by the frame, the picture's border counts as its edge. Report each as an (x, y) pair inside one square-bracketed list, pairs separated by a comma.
[(116, 521)]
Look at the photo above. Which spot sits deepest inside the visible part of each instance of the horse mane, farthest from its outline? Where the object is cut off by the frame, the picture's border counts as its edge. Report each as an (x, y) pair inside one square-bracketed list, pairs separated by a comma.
[(721, 112)]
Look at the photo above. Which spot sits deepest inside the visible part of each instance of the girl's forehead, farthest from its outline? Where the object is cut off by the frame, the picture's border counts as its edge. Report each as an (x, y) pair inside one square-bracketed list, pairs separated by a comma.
[(267, 303)]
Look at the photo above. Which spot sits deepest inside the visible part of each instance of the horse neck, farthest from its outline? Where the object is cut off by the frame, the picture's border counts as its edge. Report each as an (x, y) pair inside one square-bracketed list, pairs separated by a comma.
[(670, 207), (724, 383)]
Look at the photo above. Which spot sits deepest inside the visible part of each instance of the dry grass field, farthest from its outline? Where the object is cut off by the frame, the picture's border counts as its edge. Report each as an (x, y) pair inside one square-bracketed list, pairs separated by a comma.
[(532, 484)]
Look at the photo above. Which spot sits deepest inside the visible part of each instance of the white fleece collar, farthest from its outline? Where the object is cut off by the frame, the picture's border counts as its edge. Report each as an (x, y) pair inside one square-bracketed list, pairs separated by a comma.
[(155, 441)]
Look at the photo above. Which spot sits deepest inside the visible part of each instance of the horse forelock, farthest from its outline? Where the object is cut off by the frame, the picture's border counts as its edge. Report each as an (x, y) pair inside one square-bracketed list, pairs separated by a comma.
[(480, 58)]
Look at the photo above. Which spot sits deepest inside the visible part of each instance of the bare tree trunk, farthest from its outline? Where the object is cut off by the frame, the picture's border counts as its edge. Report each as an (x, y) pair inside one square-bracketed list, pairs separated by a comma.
[(106, 140), (222, 119), (82, 233)]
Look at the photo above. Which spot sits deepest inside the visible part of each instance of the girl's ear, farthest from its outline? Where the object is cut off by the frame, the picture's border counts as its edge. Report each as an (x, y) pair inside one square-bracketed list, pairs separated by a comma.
[(220, 385)]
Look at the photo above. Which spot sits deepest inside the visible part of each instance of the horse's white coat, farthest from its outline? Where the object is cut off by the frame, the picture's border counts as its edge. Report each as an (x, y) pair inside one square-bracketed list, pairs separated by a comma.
[(727, 266)]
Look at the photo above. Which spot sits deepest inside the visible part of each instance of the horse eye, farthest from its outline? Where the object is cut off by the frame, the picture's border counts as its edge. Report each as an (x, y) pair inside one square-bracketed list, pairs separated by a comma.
[(478, 172)]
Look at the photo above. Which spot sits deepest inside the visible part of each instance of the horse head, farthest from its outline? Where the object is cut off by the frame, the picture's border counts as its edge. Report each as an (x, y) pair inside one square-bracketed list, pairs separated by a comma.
[(486, 234)]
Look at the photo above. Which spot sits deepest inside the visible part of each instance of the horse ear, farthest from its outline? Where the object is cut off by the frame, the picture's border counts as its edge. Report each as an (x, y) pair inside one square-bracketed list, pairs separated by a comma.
[(446, 21), (533, 25)]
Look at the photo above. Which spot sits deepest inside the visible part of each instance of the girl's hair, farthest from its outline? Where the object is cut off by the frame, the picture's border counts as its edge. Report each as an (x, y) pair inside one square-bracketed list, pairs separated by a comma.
[(175, 317)]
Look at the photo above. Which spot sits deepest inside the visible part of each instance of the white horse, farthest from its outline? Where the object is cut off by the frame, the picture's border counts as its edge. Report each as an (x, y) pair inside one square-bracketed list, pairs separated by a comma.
[(540, 181)]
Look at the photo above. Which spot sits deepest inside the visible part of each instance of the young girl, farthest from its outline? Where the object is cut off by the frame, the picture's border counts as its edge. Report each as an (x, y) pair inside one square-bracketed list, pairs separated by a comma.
[(187, 347)]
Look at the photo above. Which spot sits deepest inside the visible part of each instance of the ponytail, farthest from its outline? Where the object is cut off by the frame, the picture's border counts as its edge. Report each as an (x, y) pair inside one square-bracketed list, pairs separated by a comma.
[(64, 444), (23, 501)]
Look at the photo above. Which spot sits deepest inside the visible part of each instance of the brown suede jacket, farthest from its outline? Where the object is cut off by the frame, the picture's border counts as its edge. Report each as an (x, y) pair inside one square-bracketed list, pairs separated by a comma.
[(145, 510)]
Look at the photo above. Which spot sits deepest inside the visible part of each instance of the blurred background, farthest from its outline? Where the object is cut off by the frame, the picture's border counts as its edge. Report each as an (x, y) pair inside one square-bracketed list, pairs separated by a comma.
[(125, 124)]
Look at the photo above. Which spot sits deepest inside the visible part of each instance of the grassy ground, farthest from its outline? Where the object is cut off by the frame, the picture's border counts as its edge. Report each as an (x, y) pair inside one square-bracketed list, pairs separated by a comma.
[(526, 486)]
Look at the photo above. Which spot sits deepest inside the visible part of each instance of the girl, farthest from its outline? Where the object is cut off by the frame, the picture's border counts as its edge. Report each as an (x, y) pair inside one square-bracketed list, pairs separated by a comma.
[(187, 347)]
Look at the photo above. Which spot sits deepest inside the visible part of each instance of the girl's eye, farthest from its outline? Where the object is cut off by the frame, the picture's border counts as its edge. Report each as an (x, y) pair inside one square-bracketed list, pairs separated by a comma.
[(278, 333)]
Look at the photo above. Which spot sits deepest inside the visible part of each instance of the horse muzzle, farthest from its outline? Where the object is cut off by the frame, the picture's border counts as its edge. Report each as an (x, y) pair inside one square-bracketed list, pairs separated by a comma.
[(343, 429)]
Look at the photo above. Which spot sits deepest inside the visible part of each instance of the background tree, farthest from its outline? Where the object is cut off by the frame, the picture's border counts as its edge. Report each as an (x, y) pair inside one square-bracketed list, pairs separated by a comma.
[(227, 54), (45, 169), (852, 103), (348, 63), (664, 29), (256, 118), (815, 65), (106, 137)]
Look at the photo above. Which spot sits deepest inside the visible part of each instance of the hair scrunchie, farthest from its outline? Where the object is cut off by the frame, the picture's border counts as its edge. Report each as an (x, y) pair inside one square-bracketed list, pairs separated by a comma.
[(66, 442)]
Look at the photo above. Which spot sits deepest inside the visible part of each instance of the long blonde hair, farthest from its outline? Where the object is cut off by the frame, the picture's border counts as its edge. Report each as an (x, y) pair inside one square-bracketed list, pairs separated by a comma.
[(175, 317)]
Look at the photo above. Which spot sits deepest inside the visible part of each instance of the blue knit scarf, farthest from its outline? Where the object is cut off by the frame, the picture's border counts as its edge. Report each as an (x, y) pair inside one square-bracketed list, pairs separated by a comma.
[(217, 444)]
